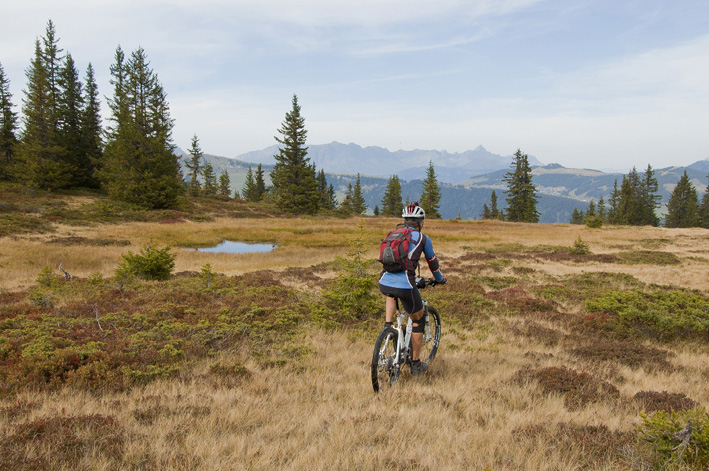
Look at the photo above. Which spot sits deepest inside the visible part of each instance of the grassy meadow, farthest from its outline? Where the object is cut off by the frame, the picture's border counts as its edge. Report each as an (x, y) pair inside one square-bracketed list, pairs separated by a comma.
[(563, 347)]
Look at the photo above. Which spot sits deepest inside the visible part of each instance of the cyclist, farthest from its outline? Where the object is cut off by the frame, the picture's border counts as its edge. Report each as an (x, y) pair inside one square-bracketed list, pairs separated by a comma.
[(402, 285)]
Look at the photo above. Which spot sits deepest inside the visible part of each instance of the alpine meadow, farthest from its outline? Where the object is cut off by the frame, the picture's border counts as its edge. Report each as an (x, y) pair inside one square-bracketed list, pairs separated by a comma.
[(123, 346)]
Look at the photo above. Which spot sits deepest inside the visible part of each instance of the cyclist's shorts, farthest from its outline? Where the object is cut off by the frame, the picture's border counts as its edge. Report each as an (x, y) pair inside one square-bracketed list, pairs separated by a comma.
[(410, 298)]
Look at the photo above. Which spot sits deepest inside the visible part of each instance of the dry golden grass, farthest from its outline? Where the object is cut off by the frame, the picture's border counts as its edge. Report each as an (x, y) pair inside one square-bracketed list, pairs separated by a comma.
[(309, 241), (467, 412)]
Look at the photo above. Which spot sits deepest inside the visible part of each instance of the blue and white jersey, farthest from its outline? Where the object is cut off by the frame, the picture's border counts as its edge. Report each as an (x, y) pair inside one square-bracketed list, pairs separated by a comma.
[(420, 244)]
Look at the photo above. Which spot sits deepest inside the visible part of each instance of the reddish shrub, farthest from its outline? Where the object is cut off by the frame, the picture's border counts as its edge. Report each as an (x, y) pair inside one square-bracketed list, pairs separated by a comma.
[(652, 401), (578, 389), (42, 443)]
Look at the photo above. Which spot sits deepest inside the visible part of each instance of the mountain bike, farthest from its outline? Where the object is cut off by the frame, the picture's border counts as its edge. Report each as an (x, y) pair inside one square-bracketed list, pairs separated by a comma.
[(393, 349)]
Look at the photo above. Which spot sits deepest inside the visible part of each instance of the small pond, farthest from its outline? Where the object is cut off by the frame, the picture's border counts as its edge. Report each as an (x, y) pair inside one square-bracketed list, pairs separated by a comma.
[(230, 246)]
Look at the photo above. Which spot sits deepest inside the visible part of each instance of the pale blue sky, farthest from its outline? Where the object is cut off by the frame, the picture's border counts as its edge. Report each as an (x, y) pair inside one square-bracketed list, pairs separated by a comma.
[(585, 83)]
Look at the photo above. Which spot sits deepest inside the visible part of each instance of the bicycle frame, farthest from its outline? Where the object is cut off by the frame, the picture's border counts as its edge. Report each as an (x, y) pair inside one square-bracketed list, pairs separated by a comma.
[(402, 348)]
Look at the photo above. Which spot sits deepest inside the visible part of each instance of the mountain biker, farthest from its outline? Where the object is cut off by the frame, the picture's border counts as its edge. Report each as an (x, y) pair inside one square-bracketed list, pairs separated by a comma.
[(402, 285)]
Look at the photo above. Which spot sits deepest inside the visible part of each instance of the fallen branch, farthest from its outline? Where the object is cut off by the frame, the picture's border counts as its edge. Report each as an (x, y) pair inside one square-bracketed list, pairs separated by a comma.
[(66, 273)]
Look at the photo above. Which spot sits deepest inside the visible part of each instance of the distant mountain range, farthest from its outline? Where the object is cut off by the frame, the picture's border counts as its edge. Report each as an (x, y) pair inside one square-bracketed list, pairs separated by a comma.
[(408, 165), (467, 178)]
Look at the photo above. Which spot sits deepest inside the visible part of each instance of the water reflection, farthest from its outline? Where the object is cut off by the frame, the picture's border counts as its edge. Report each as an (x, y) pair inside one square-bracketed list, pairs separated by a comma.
[(230, 246)]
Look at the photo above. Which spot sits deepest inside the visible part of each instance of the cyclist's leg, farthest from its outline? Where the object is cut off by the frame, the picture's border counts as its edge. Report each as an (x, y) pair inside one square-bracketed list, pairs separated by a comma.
[(417, 325), (390, 309)]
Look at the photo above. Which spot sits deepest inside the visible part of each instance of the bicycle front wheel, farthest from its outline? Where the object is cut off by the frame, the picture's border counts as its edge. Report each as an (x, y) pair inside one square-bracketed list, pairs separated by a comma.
[(431, 336), (384, 370)]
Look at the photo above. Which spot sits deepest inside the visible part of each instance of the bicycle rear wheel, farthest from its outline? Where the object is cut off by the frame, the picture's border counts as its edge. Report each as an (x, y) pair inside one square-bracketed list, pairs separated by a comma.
[(384, 372), (432, 336)]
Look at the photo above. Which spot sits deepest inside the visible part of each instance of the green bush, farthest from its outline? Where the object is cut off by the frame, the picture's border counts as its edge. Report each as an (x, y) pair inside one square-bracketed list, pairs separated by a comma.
[(580, 247), (662, 315), (678, 440), (151, 264)]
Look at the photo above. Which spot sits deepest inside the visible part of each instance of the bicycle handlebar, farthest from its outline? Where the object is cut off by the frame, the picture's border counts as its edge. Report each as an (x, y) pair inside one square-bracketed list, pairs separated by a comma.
[(421, 282)]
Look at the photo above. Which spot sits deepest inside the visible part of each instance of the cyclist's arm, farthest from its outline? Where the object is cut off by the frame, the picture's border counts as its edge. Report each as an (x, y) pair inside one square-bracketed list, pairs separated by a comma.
[(432, 260)]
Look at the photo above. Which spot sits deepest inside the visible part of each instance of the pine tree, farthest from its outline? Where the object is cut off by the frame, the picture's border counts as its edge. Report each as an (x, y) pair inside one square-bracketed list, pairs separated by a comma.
[(210, 180), (376, 210), (358, 204), (41, 159), (260, 183), (391, 201), (8, 126), (139, 164), (194, 166), (293, 178), (224, 183), (249, 191), (521, 197), (683, 206), (430, 194), (91, 131)]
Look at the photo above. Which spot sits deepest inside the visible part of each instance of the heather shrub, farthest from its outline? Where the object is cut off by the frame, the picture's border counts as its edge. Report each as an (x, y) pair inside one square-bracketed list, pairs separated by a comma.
[(652, 401), (578, 389), (631, 354), (44, 442)]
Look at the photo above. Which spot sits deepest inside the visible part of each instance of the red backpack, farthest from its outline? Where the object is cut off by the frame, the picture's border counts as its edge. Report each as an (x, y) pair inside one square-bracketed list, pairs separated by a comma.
[(394, 250)]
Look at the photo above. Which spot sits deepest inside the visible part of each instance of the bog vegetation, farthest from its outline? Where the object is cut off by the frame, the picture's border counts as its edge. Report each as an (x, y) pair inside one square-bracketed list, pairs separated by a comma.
[(563, 347)]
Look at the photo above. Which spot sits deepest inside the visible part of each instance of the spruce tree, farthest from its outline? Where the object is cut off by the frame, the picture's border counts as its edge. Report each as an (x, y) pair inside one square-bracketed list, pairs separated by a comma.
[(139, 164), (249, 191), (613, 201), (293, 179), (704, 209), (521, 197), (577, 216), (52, 63), (683, 206), (8, 126), (193, 164), (224, 183), (332, 197), (346, 207), (494, 211), (91, 131), (260, 183), (358, 204), (41, 159), (322, 190), (486, 214), (602, 209), (430, 194), (70, 105), (650, 198), (210, 180), (391, 201)]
